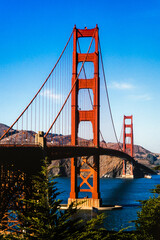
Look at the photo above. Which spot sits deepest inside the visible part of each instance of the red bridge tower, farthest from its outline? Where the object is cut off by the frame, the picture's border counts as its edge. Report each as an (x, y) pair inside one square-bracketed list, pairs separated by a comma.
[(82, 115), (128, 145)]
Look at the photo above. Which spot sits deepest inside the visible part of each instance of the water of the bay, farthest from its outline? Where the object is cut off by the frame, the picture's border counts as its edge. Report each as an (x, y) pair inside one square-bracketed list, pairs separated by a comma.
[(124, 192)]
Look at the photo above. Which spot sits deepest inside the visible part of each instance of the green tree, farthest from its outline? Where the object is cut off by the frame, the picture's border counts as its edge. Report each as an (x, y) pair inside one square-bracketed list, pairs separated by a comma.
[(43, 219), (148, 222)]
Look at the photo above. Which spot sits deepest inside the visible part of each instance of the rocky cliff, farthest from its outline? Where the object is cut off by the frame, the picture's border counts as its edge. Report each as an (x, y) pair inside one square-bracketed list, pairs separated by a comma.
[(109, 167)]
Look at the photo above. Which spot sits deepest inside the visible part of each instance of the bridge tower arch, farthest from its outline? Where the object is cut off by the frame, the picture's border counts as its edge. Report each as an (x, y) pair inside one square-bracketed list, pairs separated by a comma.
[(92, 115)]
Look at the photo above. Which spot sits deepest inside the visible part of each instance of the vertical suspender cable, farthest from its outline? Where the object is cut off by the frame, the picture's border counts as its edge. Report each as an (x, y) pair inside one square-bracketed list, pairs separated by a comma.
[(22, 130), (46, 94), (31, 124), (35, 114), (39, 125), (50, 97), (55, 104), (90, 95), (71, 88), (39, 89), (43, 109), (105, 83)]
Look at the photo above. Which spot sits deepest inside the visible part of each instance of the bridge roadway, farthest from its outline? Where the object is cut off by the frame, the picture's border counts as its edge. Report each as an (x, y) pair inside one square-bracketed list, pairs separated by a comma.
[(27, 157), (54, 152), (59, 152)]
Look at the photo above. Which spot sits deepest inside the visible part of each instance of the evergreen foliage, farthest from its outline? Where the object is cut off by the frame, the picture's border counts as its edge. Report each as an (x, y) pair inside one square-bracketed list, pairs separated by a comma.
[(41, 218), (148, 222), (157, 167)]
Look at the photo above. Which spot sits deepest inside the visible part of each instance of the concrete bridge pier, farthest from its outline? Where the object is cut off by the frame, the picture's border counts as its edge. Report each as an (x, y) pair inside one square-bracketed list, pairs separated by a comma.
[(86, 203), (40, 140), (127, 169)]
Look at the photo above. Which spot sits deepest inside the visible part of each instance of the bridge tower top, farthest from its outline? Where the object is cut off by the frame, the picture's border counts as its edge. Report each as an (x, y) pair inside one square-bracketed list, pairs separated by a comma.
[(128, 134), (82, 115)]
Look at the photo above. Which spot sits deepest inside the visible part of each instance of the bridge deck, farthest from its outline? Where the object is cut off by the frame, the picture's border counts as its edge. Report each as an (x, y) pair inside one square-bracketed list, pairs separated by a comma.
[(58, 152), (28, 157)]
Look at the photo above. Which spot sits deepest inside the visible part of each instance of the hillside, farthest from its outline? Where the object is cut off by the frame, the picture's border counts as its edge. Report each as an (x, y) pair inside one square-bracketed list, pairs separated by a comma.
[(109, 165), (3, 128)]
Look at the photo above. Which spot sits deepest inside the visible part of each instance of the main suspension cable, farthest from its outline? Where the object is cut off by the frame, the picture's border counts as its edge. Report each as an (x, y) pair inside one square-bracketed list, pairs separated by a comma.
[(71, 88), (39, 89)]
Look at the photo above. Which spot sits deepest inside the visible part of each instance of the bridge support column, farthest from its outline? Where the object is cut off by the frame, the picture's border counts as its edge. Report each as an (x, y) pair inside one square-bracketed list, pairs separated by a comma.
[(95, 192), (85, 203), (39, 139), (92, 115), (73, 193), (127, 169)]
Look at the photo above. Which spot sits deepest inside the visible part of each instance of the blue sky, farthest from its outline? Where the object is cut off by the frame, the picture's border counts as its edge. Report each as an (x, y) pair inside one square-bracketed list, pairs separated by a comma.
[(33, 34)]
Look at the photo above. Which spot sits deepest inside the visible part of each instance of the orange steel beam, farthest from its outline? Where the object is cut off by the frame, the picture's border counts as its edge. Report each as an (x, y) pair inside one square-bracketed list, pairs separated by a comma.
[(92, 115)]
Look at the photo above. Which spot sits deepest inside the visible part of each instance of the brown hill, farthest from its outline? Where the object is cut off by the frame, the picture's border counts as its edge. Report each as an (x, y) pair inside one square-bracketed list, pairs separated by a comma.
[(108, 165), (3, 128)]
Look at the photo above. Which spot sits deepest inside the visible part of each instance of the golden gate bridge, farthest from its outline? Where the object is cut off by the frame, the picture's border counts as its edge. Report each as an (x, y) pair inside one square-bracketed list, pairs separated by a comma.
[(63, 121)]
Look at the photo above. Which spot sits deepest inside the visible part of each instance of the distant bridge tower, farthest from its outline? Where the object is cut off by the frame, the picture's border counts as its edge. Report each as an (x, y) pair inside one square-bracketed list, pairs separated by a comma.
[(83, 115), (128, 145)]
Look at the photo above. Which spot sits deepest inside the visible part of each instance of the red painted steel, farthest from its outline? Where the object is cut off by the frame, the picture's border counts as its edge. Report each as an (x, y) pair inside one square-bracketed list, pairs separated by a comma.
[(92, 115), (128, 135), (128, 146), (74, 85)]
